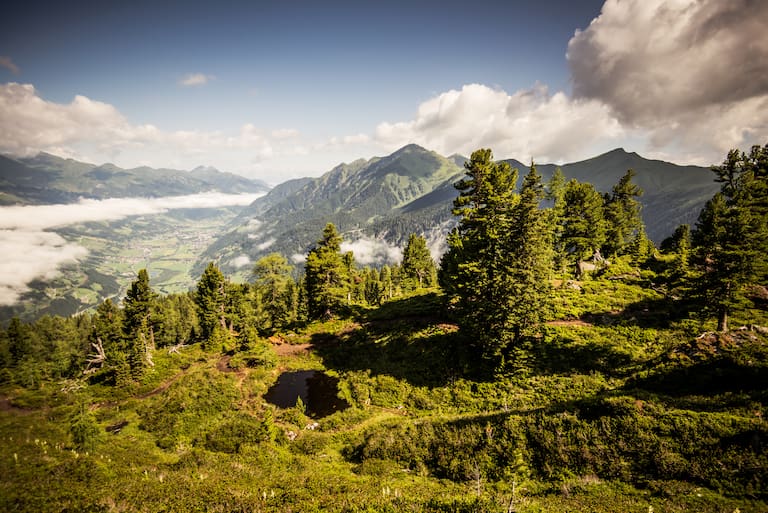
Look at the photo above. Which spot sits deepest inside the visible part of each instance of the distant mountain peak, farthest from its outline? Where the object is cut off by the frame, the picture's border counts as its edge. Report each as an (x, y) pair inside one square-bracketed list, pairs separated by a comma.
[(205, 169)]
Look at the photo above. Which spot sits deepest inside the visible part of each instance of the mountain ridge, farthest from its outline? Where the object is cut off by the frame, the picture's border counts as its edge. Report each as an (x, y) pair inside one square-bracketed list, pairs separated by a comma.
[(411, 190), (46, 178)]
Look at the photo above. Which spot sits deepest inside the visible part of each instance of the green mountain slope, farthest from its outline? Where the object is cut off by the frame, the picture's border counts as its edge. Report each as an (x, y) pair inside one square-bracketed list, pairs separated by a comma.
[(412, 191), (364, 197), (46, 178)]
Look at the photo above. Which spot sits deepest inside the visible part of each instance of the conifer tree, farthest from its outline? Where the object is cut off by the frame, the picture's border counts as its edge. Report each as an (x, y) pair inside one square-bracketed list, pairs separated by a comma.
[(584, 226), (555, 194), (326, 275), (108, 328), (622, 215), (475, 270), (211, 300), (731, 236), (272, 280), (417, 261), (137, 307), (530, 258)]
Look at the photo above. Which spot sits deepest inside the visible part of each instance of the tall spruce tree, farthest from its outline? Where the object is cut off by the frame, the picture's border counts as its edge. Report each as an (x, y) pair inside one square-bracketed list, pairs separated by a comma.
[(622, 215), (584, 227), (137, 308), (326, 275), (418, 265), (475, 271), (555, 194), (530, 259), (731, 236), (272, 281), (211, 301)]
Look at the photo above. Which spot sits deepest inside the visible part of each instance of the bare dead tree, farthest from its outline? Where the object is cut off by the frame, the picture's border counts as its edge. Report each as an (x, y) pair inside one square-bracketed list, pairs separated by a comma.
[(97, 358)]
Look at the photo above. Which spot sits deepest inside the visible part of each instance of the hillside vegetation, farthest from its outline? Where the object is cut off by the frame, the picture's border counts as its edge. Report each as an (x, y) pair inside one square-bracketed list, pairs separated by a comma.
[(513, 377)]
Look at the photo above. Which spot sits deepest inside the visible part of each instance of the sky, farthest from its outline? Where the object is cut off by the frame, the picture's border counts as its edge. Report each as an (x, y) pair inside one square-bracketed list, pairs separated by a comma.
[(278, 90)]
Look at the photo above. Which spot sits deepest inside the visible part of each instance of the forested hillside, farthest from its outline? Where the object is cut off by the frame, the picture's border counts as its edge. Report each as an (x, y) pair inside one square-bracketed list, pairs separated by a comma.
[(555, 359)]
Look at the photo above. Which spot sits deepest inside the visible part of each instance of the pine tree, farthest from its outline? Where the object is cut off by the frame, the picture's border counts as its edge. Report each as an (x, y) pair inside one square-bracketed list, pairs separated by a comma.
[(417, 261), (272, 279), (211, 301), (137, 307), (327, 275), (731, 236), (681, 245), (530, 258), (555, 194), (584, 227), (108, 328), (475, 270), (622, 214)]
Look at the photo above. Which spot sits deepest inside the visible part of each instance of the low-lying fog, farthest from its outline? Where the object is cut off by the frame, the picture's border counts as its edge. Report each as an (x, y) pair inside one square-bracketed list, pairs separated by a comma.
[(31, 251)]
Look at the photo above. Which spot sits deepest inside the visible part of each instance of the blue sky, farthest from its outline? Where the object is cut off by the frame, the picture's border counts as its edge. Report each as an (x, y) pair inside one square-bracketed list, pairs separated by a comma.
[(282, 89)]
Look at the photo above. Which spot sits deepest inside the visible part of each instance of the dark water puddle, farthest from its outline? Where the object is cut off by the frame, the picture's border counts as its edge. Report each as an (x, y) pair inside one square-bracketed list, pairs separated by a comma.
[(317, 391)]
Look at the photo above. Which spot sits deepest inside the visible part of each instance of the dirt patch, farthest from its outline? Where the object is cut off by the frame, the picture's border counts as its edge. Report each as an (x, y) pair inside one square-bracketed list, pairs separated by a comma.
[(292, 349), (6, 405), (570, 323), (223, 364)]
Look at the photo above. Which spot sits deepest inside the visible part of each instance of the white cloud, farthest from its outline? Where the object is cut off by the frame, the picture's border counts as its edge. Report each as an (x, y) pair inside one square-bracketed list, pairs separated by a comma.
[(266, 244), (7, 63), (298, 258), (30, 252), (530, 123), (30, 255), (691, 75), (240, 261), (195, 79), (94, 131), (369, 251)]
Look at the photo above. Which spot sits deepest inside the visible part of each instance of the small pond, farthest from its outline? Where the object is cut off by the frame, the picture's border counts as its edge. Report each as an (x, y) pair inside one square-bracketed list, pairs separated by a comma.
[(317, 391)]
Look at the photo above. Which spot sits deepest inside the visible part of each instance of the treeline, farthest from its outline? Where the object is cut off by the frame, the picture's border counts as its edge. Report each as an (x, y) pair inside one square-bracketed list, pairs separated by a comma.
[(115, 343), (511, 247)]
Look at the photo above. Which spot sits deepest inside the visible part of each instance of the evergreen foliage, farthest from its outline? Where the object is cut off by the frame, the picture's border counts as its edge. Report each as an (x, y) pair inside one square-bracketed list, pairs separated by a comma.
[(137, 325), (475, 270), (327, 275), (731, 235), (276, 290), (211, 301), (622, 215), (417, 262), (584, 229)]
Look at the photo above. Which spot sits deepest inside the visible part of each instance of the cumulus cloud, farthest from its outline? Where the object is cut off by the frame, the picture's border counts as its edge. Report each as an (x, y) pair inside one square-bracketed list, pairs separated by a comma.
[(7, 63), (530, 123), (31, 252), (195, 79), (370, 251), (688, 72)]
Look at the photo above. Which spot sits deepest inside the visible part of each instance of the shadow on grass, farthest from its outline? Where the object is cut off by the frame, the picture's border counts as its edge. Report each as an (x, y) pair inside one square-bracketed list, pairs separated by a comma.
[(563, 355), (647, 313), (410, 339)]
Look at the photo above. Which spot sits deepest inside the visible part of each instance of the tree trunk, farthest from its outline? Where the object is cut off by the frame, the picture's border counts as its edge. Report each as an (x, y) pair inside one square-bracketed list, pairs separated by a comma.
[(722, 320)]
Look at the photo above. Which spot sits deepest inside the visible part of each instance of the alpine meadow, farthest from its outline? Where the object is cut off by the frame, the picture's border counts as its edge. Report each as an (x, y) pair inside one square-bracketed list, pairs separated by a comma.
[(377, 307)]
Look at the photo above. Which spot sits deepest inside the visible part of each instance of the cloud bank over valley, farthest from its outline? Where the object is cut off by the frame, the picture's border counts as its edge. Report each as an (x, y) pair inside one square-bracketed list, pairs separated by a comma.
[(31, 251)]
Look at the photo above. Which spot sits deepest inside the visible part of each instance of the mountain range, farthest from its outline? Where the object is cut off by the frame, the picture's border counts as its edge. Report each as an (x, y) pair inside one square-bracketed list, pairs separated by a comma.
[(411, 190), (47, 179), (375, 204)]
